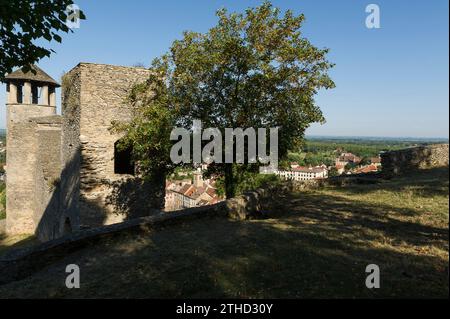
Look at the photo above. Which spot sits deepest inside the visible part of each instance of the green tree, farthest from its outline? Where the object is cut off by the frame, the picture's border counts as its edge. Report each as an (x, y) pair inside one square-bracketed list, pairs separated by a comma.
[(333, 172), (350, 166), (294, 157), (250, 70), (148, 132), (365, 161), (22, 22), (247, 180)]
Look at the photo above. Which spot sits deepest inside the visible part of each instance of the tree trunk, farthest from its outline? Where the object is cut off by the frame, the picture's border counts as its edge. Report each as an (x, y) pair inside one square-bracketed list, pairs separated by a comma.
[(229, 181)]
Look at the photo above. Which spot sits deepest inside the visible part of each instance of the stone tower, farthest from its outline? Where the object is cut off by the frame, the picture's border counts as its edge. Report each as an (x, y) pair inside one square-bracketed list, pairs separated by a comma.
[(65, 172), (198, 179), (31, 117), (98, 178)]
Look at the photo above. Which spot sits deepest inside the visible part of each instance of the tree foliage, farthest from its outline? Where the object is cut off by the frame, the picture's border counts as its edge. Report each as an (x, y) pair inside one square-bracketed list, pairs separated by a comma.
[(148, 132), (333, 172), (22, 22), (350, 166), (247, 180), (253, 69)]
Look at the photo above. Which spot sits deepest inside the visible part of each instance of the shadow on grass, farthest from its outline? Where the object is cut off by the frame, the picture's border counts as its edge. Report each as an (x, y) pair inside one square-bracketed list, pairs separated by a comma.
[(382, 220), (318, 246), (308, 252)]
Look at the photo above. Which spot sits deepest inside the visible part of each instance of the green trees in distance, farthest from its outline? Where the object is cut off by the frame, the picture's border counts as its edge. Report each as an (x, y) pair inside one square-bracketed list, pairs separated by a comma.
[(312, 158), (365, 161), (333, 172), (360, 147), (350, 166), (253, 69), (23, 22)]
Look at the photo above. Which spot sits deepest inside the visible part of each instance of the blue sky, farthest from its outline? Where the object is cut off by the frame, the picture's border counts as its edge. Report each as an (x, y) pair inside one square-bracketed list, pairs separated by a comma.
[(391, 81)]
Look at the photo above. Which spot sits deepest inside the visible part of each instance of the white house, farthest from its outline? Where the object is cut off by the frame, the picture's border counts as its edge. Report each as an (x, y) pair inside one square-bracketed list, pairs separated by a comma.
[(300, 173)]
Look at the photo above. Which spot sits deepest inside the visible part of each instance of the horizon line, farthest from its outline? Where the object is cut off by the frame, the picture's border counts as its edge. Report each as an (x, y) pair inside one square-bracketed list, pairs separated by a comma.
[(361, 136), (377, 136)]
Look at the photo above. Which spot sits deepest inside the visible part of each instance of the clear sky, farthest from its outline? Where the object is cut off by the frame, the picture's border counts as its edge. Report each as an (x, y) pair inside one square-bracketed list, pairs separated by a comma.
[(391, 81)]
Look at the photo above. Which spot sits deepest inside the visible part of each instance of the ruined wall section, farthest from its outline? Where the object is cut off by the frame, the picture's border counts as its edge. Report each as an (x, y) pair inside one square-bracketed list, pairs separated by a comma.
[(70, 146), (411, 159), (47, 202), (21, 161), (106, 197)]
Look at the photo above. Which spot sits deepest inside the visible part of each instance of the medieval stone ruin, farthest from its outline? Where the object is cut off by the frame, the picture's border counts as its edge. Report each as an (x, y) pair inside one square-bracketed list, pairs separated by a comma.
[(66, 172)]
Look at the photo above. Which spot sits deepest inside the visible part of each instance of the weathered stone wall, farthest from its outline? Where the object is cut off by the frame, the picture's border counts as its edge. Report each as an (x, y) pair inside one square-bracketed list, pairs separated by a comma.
[(70, 146), (48, 216), (100, 92), (258, 203), (410, 159), (21, 113), (33, 204), (21, 160)]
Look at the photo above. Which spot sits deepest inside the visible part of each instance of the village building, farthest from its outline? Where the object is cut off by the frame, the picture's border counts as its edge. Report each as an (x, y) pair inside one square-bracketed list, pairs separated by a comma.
[(182, 194), (346, 158), (376, 160), (340, 168), (301, 173), (372, 168)]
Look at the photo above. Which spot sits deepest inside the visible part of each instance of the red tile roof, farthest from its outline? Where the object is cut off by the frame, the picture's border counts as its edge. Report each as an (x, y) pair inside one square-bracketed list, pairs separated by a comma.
[(367, 169), (185, 189), (308, 169)]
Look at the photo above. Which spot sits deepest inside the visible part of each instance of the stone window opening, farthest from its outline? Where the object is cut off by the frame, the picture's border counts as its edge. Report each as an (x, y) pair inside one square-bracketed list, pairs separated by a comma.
[(123, 160), (20, 94), (34, 94)]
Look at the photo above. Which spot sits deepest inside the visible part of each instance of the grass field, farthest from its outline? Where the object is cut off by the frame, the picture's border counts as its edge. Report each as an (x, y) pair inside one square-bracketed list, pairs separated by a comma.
[(317, 246)]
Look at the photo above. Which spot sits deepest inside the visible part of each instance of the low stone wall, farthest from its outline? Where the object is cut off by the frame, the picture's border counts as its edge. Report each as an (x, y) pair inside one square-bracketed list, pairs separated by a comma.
[(298, 186), (47, 209), (263, 202), (21, 263), (411, 159)]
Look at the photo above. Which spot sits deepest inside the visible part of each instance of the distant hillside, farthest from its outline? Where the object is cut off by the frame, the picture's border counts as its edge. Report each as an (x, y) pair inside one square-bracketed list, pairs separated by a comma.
[(359, 139)]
